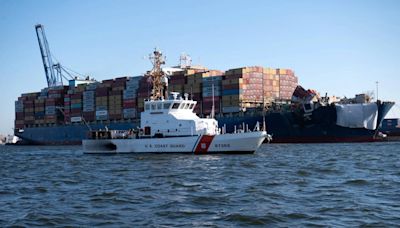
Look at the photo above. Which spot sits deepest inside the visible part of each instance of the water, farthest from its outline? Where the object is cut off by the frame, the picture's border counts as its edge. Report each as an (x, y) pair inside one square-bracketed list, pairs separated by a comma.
[(280, 185)]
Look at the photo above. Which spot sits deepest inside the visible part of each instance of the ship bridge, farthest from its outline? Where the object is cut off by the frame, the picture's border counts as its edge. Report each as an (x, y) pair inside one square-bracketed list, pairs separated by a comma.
[(175, 117)]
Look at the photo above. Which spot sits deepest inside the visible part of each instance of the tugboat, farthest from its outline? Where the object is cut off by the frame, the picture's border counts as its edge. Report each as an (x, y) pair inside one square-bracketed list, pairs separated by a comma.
[(170, 126)]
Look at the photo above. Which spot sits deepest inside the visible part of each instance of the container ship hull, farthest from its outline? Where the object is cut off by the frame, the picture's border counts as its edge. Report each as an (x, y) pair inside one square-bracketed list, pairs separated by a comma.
[(285, 127)]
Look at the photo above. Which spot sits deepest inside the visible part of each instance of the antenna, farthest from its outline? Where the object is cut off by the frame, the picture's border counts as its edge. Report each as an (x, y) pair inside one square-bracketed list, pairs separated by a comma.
[(185, 60), (157, 75), (212, 109)]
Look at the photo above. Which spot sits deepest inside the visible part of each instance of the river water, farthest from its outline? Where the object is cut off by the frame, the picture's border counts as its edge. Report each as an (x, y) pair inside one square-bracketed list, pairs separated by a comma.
[(280, 185)]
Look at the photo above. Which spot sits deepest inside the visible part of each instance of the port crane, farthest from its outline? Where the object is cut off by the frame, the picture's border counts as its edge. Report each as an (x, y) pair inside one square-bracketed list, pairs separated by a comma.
[(55, 72)]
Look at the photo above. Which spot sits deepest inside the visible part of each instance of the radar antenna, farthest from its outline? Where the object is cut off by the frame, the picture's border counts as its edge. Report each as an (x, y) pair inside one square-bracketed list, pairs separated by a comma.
[(185, 60)]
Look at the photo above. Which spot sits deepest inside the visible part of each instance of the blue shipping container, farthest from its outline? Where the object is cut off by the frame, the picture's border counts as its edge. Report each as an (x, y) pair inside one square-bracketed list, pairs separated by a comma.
[(231, 92)]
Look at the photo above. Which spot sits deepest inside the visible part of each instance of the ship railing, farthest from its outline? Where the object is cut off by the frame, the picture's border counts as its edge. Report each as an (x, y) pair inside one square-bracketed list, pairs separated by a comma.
[(245, 128)]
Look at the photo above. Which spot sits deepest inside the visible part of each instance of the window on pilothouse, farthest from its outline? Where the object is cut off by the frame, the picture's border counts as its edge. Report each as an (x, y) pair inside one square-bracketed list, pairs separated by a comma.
[(159, 106), (175, 106), (147, 107), (182, 105), (191, 106), (187, 105)]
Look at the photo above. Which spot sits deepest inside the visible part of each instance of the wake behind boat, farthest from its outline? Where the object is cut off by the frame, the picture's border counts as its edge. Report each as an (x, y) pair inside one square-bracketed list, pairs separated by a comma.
[(171, 126)]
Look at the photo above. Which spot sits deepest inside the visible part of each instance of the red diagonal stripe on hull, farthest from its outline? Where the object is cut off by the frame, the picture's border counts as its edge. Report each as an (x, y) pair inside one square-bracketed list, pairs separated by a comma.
[(204, 144)]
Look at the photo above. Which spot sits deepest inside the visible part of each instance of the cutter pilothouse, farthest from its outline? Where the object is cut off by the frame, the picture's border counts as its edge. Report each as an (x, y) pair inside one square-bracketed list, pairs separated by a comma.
[(169, 125)]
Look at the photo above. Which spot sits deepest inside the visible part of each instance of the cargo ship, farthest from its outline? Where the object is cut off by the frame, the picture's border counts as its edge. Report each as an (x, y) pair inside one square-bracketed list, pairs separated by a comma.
[(236, 98)]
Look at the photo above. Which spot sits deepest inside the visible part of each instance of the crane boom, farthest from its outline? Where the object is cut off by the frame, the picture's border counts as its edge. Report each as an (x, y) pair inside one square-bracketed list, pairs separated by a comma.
[(53, 79)]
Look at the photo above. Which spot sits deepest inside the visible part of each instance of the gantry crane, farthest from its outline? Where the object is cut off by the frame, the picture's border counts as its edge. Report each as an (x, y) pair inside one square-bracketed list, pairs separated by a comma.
[(54, 71), (53, 79)]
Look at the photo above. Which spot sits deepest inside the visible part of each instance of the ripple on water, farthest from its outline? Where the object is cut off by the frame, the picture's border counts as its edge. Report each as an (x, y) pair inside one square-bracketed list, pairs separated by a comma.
[(281, 185), (252, 220), (356, 182)]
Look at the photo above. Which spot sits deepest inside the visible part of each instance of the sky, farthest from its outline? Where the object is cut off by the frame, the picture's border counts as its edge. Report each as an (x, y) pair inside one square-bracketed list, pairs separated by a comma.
[(339, 47)]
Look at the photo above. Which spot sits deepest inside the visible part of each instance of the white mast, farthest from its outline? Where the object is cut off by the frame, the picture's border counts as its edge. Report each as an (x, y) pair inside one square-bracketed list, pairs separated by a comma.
[(212, 108)]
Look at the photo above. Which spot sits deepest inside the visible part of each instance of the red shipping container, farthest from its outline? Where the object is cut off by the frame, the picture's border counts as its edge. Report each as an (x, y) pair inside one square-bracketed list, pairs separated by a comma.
[(144, 94), (119, 83), (76, 96), (107, 82), (19, 116), (19, 126), (209, 99), (113, 93), (129, 104), (75, 111), (231, 86)]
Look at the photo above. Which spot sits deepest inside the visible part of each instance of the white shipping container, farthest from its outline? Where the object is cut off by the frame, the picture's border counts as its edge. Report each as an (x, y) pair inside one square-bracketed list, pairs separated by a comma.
[(101, 107), (102, 113), (129, 110), (76, 119)]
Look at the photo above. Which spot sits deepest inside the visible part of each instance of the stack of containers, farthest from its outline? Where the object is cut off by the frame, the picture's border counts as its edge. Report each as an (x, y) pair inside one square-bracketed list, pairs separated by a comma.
[(102, 101), (232, 87), (50, 111), (212, 91), (115, 98), (194, 89), (43, 93), (29, 105), (193, 86), (76, 106), (115, 105), (287, 83), (231, 93), (250, 87), (55, 100), (271, 85), (144, 92), (19, 114), (253, 91), (40, 110), (89, 106), (129, 97), (92, 86), (177, 82), (67, 108), (40, 106)]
